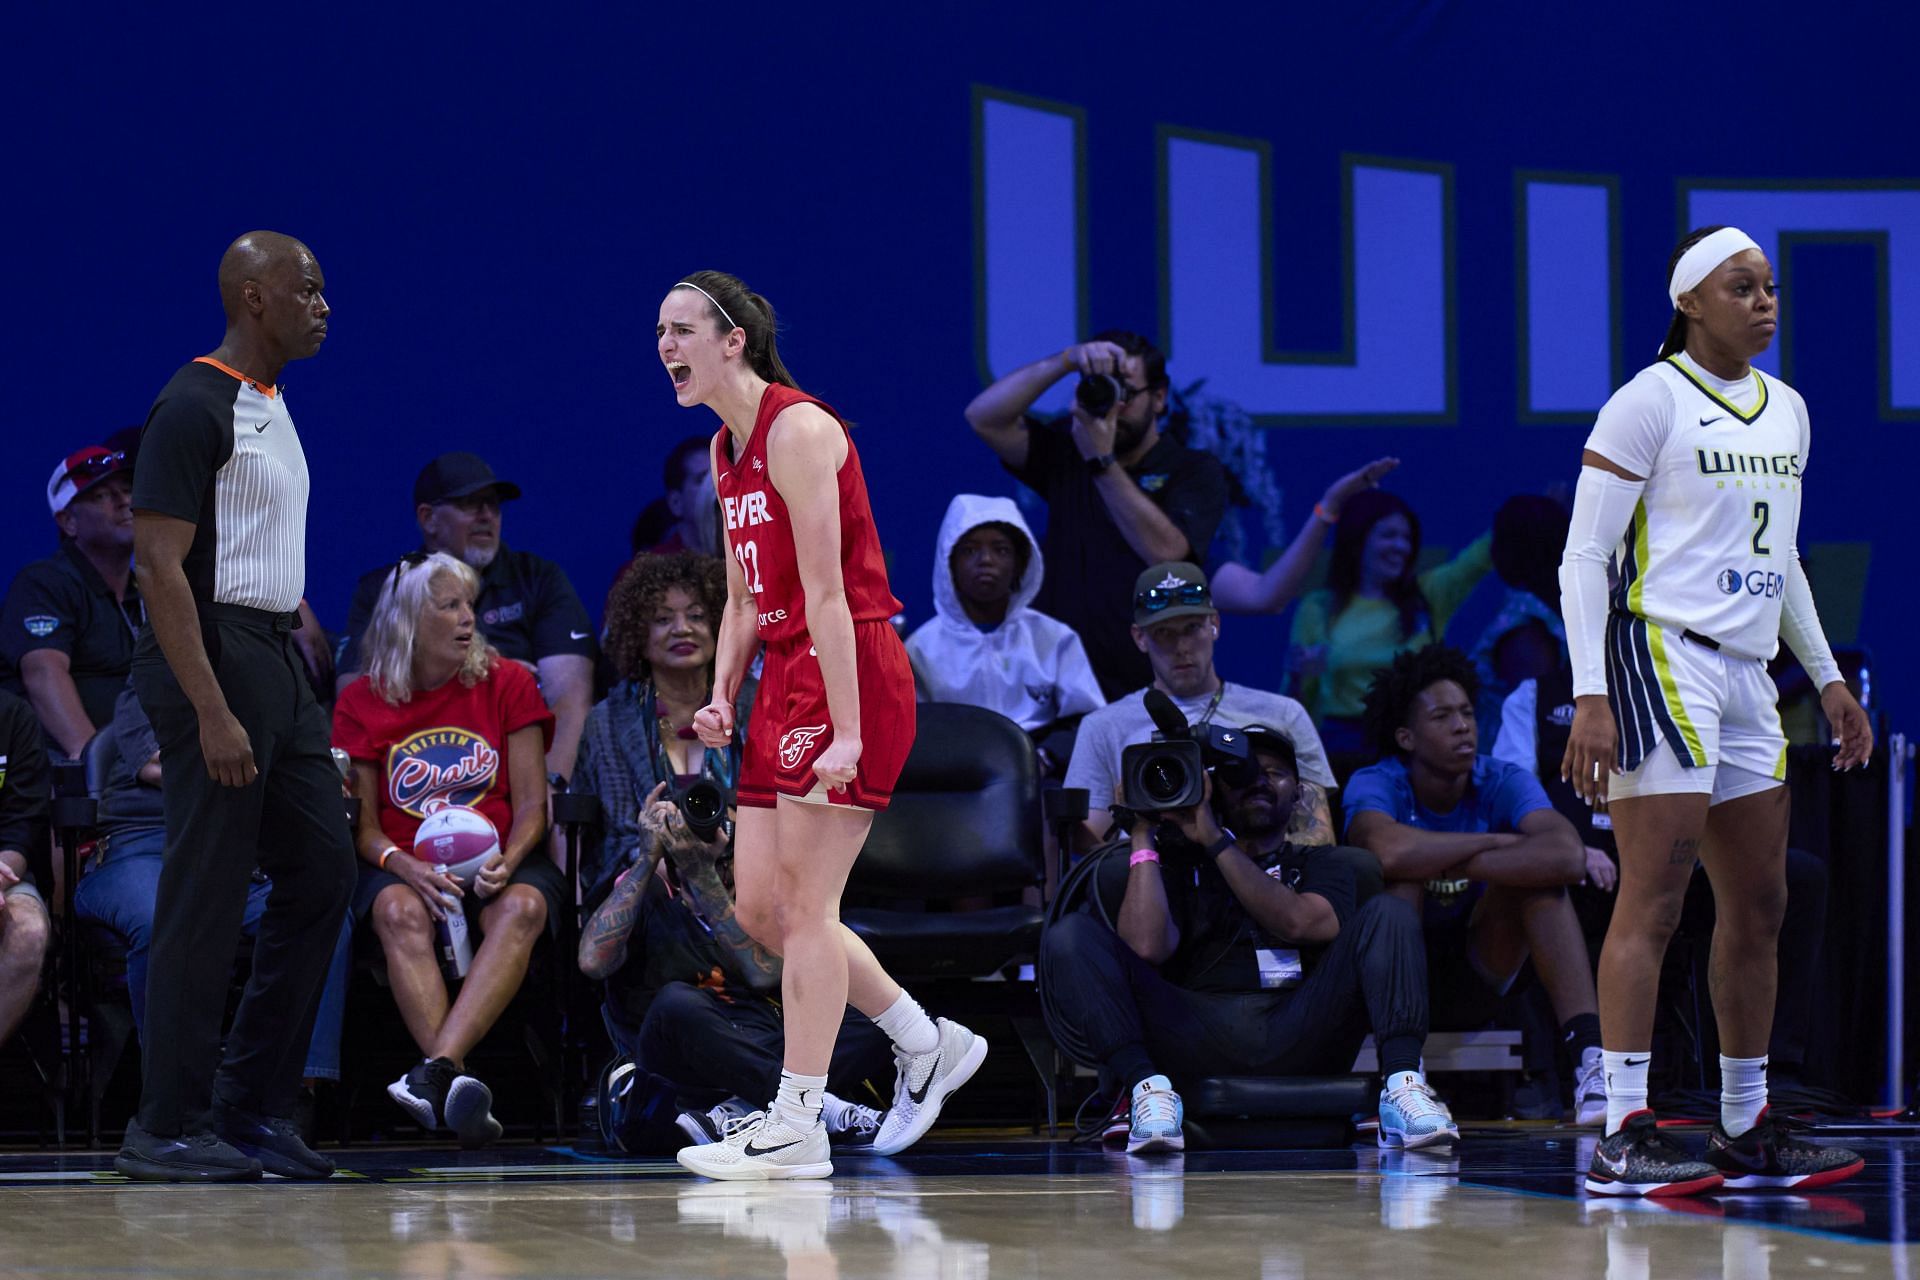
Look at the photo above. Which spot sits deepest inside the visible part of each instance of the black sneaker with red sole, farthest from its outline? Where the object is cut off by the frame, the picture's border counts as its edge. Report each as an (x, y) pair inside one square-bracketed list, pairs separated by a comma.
[(1639, 1160), (1769, 1157)]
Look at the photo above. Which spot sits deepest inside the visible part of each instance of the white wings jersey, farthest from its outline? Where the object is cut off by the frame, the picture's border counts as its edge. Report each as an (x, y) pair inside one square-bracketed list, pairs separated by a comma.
[(1711, 540)]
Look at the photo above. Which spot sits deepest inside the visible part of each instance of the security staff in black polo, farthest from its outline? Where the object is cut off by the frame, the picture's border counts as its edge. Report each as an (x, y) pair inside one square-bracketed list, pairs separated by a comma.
[(67, 631), (247, 774), (527, 608)]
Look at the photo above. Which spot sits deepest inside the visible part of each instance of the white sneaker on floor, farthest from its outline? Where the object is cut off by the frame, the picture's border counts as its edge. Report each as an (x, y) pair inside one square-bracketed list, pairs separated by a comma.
[(758, 1148), (1413, 1117), (848, 1123), (1156, 1119), (923, 1084), (703, 1128), (1590, 1090)]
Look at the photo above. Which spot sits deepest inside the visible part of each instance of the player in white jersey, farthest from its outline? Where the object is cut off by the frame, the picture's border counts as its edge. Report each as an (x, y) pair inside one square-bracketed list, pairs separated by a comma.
[(1689, 501)]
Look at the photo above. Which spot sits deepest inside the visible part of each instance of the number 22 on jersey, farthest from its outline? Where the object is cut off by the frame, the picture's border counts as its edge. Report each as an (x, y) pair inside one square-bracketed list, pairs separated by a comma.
[(748, 554)]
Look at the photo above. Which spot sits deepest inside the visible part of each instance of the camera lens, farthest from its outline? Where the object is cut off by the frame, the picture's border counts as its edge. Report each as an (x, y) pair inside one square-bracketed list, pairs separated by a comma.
[(1096, 393), (705, 808), (1164, 779)]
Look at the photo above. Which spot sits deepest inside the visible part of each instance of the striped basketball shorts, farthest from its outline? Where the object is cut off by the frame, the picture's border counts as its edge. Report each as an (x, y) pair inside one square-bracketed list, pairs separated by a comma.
[(1690, 717)]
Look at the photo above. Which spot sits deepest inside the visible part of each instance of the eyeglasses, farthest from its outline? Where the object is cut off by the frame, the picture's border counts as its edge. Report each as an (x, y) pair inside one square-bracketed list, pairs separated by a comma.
[(471, 503), (411, 560), (1155, 599)]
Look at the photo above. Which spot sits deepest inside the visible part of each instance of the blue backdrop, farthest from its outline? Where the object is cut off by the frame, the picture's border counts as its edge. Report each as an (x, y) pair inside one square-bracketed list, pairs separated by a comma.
[(1433, 229)]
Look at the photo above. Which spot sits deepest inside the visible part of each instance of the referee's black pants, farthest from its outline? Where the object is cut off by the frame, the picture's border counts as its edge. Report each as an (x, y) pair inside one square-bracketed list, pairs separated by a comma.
[(291, 822), (1372, 976)]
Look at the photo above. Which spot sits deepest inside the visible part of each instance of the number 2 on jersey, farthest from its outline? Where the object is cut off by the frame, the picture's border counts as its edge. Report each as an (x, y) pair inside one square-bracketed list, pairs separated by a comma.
[(748, 554), (1761, 515)]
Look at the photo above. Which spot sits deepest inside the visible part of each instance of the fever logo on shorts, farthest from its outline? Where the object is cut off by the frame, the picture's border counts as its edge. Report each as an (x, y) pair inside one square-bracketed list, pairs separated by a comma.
[(795, 743), (447, 765), (1729, 581)]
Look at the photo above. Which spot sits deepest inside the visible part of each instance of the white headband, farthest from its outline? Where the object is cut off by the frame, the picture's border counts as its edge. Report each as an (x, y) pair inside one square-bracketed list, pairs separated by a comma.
[(1697, 263), (688, 284)]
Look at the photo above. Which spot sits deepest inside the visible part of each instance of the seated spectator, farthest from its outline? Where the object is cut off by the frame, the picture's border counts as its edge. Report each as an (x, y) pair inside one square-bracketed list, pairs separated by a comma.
[(986, 645), (689, 995), (118, 889), (1229, 950), (1478, 846), (1533, 736), (687, 515), (1374, 606), (1526, 638), (1175, 625), (66, 637), (1239, 589), (24, 924), (1120, 495), (440, 717), (662, 622), (527, 609)]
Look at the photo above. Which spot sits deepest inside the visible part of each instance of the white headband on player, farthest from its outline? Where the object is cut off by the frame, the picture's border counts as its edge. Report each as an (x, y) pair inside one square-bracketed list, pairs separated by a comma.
[(688, 284), (1699, 262)]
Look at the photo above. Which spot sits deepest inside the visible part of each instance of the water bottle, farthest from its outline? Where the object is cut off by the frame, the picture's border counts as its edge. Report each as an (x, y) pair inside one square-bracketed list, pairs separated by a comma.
[(450, 936)]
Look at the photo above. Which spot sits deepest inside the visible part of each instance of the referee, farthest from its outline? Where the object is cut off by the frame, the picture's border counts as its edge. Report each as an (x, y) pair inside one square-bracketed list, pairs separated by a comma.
[(220, 512)]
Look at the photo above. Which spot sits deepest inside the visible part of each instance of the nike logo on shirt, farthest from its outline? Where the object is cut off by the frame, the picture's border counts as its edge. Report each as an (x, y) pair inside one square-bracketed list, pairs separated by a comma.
[(578, 635), (262, 427), (1709, 421)]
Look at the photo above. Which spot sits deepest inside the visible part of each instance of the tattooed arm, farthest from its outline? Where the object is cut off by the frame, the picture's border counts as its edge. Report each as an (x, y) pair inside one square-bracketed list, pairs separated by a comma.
[(1312, 817), (603, 943), (757, 968)]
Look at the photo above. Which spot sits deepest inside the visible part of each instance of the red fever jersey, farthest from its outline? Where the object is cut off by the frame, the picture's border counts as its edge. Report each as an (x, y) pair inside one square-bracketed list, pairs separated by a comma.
[(761, 534), (447, 744), (791, 725)]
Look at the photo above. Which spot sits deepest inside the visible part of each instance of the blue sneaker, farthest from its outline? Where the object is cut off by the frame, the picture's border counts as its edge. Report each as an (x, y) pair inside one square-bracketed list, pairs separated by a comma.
[(1158, 1115), (1413, 1117)]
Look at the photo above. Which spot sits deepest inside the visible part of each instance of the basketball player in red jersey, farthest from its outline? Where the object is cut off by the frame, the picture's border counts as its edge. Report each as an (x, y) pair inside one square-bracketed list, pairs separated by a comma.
[(832, 723)]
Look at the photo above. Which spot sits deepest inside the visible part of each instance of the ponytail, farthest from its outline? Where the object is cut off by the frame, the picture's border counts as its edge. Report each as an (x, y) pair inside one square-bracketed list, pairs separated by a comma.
[(733, 306)]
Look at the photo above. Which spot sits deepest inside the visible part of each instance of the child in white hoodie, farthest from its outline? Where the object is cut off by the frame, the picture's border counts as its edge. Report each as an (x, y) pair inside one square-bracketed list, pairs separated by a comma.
[(985, 645)]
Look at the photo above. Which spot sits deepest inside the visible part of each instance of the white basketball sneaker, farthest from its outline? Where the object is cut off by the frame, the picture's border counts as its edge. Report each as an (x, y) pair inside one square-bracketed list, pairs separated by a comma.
[(758, 1148), (923, 1084)]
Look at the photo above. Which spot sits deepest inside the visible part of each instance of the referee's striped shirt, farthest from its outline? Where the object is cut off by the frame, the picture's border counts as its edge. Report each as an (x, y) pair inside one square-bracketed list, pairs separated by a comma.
[(219, 450)]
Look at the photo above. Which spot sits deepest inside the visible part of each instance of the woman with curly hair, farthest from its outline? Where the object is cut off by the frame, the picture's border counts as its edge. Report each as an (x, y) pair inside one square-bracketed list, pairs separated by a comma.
[(440, 718)]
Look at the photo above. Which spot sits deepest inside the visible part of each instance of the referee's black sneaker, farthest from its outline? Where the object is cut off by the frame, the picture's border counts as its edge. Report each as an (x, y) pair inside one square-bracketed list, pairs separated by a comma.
[(276, 1144), (187, 1157), (1769, 1156), (1639, 1160)]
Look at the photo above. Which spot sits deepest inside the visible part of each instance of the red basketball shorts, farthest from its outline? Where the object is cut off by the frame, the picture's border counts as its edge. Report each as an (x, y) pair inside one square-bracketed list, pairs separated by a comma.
[(790, 726)]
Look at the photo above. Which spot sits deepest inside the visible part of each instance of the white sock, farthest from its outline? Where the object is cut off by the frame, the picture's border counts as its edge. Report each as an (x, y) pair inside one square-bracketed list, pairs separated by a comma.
[(1401, 1079), (1743, 1093), (799, 1100), (1626, 1084), (908, 1026), (834, 1110)]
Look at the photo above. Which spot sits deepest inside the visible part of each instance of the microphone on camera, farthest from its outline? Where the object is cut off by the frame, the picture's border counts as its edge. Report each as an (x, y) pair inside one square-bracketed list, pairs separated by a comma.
[(1166, 717)]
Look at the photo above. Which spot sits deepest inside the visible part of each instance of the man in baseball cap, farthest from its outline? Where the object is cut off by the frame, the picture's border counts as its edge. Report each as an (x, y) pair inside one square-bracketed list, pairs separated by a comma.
[(1175, 625), (527, 607), (68, 626)]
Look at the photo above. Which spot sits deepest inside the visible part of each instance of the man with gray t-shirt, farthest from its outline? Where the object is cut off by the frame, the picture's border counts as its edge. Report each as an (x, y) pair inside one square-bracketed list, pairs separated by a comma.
[(1175, 625)]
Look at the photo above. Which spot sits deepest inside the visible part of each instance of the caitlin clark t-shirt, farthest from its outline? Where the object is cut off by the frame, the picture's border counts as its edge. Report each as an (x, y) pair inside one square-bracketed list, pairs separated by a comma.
[(444, 745)]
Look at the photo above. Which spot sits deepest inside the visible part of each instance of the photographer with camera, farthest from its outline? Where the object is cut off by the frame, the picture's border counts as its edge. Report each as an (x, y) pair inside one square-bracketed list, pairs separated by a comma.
[(1175, 626), (1234, 950), (1120, 495), (689, 995)]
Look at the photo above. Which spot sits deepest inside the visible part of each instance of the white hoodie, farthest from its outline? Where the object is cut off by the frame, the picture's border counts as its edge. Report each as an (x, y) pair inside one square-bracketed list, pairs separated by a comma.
[(1031, 668)]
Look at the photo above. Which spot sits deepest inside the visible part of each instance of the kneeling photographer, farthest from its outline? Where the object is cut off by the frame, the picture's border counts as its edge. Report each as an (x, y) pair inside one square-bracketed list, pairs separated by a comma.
[(689, 996), (1209, 945)]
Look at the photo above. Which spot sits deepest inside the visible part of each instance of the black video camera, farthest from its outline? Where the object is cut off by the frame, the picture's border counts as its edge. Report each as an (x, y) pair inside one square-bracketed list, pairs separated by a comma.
[(1170, 772)]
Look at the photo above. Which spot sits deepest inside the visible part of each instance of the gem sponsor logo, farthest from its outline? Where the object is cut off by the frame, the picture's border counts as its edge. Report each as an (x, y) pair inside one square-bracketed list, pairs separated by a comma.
[(1755, 582)]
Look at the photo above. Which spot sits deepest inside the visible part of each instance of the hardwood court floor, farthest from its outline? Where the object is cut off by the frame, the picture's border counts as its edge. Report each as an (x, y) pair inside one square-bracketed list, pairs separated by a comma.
[(961, 1209)]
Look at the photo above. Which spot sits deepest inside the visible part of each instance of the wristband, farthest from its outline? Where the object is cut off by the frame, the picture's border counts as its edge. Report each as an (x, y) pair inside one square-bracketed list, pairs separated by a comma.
[(1100, 463), (1226, 841), (1144, 855), (1321, 511), (386, 853)]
